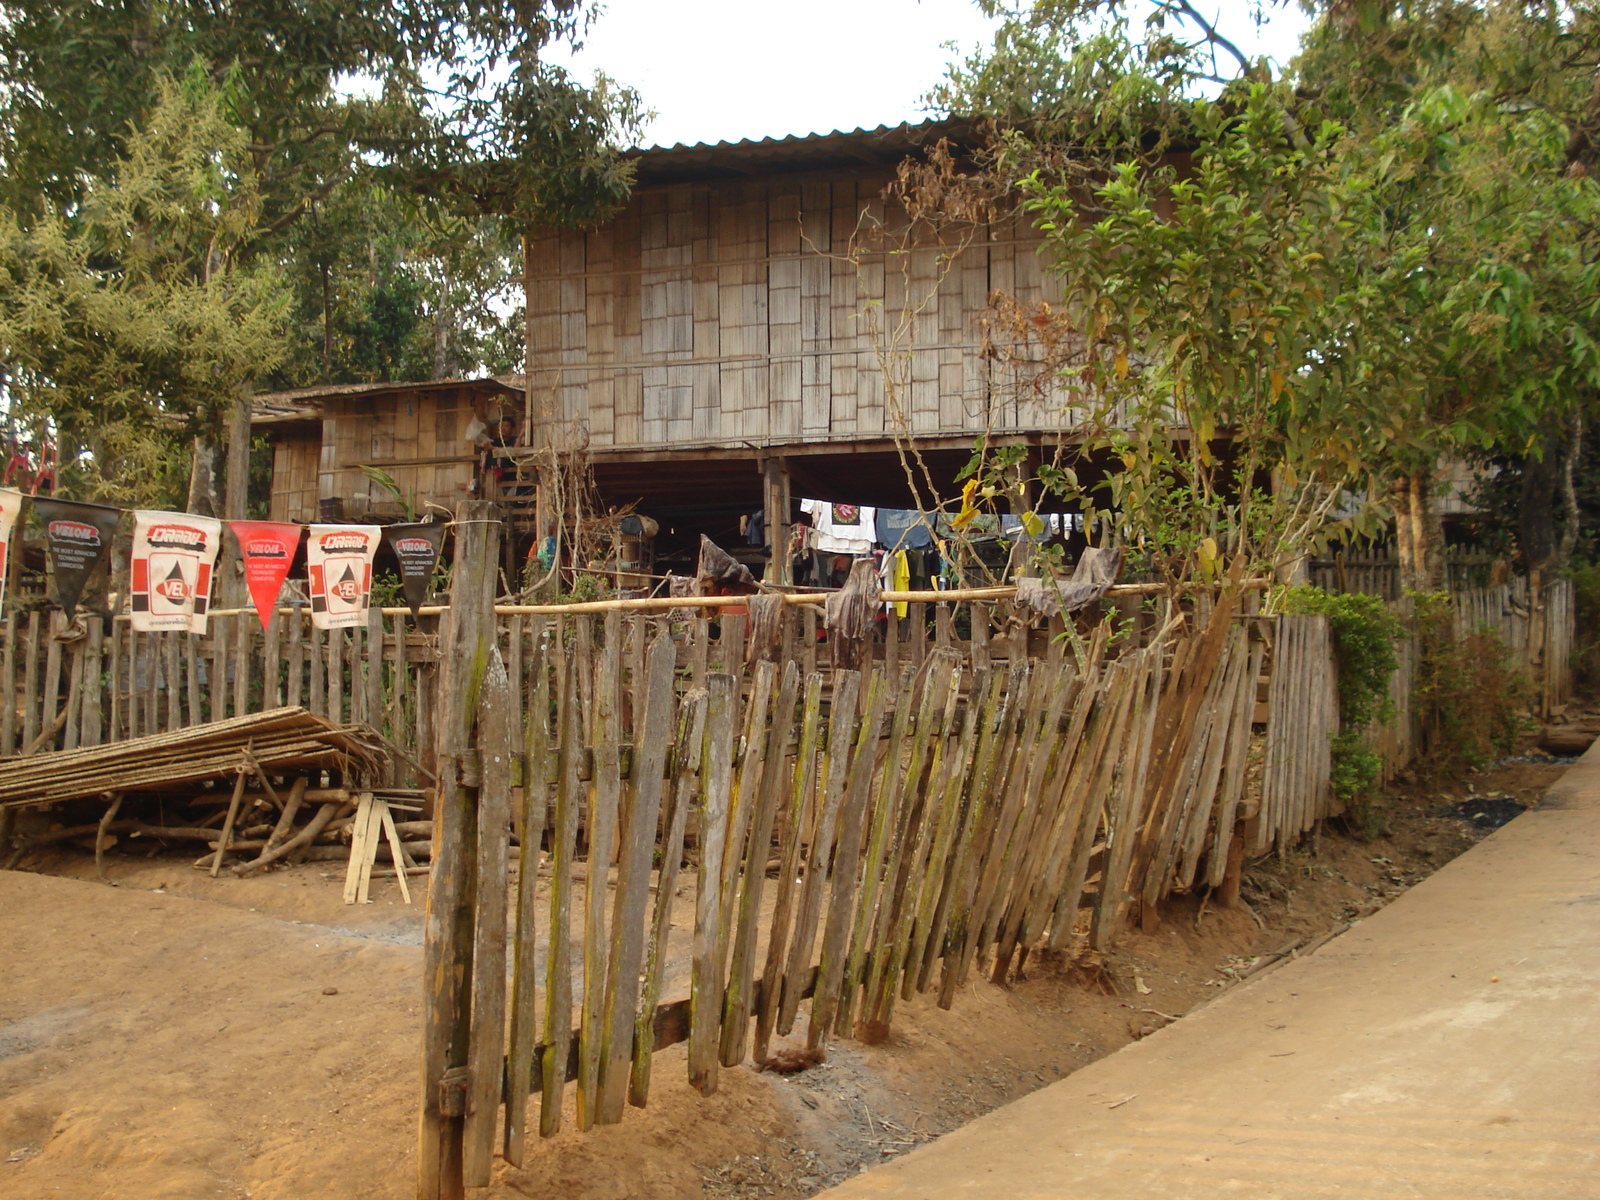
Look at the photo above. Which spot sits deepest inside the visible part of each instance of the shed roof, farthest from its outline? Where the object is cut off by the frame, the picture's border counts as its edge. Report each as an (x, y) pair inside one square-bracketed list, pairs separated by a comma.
[(884, 146), (306, 404)]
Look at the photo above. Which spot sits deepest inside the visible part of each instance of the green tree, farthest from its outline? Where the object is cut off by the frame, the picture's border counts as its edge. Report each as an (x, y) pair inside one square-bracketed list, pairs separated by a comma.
[(1385, 259), (132, 324), (321, 97)]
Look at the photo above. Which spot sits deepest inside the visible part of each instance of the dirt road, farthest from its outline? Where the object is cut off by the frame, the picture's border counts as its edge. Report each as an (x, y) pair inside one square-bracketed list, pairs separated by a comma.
[(175, 1036), (1448, 1046)]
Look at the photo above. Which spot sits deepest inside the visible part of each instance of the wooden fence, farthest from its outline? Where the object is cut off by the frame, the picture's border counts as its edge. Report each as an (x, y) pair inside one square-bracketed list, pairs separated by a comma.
[(844, 839), (859, 837)]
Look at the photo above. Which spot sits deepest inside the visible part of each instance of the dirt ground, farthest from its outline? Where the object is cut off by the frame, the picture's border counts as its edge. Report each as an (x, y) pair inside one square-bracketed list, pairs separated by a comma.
[(176, 1036)]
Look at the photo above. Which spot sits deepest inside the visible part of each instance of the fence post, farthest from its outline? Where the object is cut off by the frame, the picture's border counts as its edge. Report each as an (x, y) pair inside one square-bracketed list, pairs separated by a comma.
[(465, 646)]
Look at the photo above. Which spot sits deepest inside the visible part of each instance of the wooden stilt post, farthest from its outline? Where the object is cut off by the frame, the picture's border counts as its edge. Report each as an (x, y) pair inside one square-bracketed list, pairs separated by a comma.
[(775, 514), (466, 643)]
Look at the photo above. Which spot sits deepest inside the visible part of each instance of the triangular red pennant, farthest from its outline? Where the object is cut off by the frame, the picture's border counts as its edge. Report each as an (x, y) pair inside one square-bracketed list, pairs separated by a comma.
[(268, 549)]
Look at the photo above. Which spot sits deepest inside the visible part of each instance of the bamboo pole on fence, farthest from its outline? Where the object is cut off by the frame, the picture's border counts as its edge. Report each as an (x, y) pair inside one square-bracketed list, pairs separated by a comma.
[(563, 848), (709, 938), (687, 758), (738, 1000), (886, 957), (30, 685), (946, 769), (1227, 862), (826, 1007), (830, 789), (524, 1032), (1124, 811), (487, 1025), (605, 798), (653, 729), (795, 817), (297, 665), (995, 745), (453, 892), (882, 816), (955, 765)]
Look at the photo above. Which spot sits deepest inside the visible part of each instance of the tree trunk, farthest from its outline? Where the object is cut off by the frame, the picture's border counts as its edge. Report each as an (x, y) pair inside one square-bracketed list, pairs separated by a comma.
[(1549, 495), (1405, 554), (203, 498), (1428, 530), (230, 592), (1419, 533), (1569, 490)]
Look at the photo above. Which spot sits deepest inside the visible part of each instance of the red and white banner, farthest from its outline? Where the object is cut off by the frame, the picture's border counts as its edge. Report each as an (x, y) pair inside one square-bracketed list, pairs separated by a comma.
[(339, 561), (10, 506), (268, 549), (174, 555)]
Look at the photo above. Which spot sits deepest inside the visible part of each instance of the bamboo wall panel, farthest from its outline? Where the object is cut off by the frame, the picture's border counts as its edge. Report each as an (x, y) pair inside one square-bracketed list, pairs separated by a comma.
[(781, 309)]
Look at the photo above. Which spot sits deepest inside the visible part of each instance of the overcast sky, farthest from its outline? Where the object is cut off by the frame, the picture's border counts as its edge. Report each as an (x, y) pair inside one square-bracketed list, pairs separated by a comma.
[(724, 70)]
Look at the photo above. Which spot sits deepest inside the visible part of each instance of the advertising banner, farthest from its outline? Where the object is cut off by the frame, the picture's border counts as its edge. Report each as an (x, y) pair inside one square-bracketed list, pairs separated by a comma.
[(10, 506), (268, 549), (339, 560), (417, 548), (77, 536), (174, 555)]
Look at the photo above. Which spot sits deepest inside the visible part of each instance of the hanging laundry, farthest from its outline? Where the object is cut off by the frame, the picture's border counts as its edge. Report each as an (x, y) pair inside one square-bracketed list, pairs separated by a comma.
[(904, 529), (1096, 571), (849, 615), (841, 528)]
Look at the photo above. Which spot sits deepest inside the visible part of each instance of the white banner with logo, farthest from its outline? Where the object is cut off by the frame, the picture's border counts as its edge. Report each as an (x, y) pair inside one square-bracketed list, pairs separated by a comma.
[(10, 506), (174, 555), (339, 561)]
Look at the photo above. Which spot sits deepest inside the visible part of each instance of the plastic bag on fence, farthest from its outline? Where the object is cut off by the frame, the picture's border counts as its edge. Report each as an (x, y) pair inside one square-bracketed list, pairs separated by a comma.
[(1097, 570), (720, 574), (850, 612), (765, 637)]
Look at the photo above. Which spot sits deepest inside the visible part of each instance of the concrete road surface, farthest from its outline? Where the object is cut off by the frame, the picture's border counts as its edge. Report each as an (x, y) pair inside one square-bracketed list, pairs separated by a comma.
[(1447, 1046)]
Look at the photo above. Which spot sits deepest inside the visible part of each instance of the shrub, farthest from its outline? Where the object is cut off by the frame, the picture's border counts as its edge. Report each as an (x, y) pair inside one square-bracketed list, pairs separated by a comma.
[(1364, 637), (1471, 700)]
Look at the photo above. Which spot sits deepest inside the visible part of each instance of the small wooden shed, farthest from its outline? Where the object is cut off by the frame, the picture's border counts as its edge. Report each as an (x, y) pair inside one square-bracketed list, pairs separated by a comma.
[(415, 433)]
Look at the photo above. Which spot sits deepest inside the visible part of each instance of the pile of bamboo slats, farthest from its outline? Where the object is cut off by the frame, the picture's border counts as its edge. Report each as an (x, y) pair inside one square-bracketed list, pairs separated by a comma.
[(282, 741)]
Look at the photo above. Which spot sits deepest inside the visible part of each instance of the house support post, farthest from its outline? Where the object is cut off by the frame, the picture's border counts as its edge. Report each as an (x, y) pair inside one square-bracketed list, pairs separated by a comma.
[(776, 504)]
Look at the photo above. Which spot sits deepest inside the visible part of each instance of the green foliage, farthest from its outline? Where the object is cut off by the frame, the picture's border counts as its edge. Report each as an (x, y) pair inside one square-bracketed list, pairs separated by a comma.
[(1470, 700), (1365, 633), (134, 323), (1322, 274), (166, 165), (386, 289)]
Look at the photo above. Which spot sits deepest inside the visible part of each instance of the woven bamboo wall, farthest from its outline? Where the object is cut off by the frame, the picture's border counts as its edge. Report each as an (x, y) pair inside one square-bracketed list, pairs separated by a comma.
[(757, 310), (296, 460)]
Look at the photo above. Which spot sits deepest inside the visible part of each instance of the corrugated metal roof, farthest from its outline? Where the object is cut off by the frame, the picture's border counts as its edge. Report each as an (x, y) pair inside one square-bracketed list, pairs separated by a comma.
[(884, 145)]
